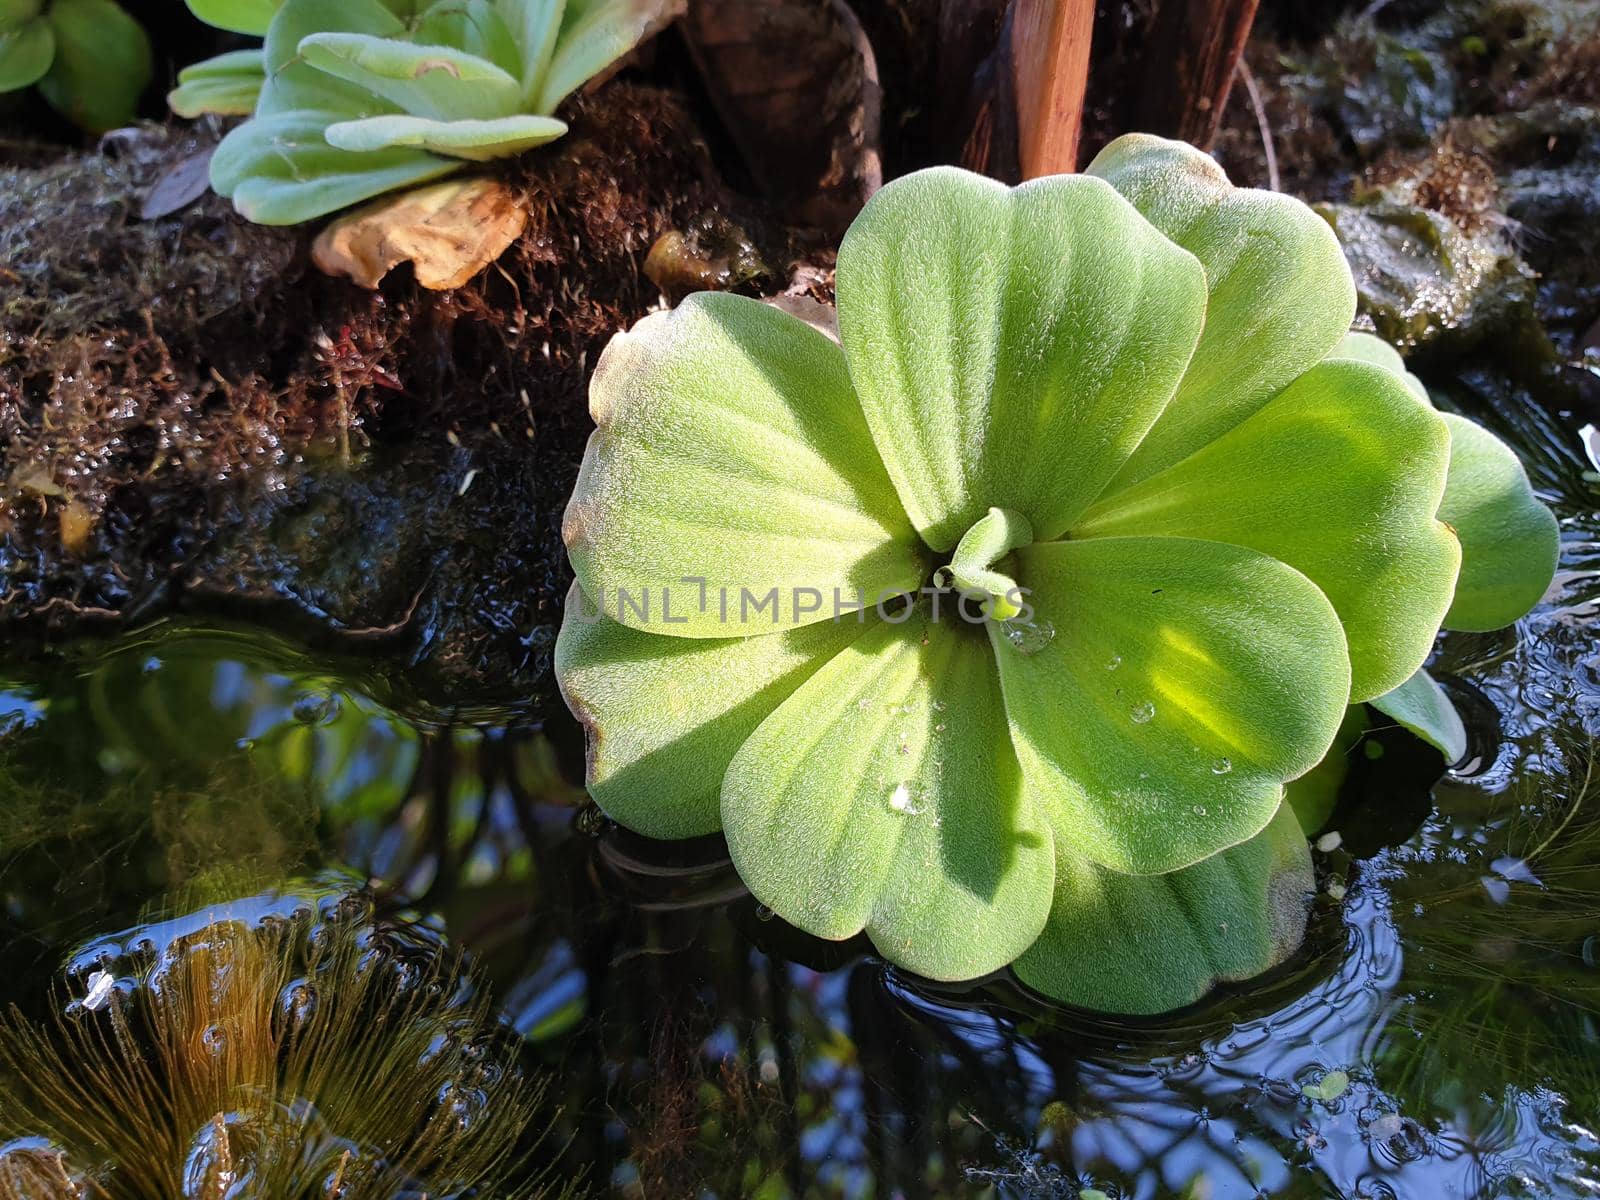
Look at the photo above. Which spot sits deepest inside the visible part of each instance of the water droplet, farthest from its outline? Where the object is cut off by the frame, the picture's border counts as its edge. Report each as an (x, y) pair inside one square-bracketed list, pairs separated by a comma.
[(1143, 714), (1114, 662), (214, 1039), (1199, 810), (939, 728), (763, 913), (939, 706), (904, 800), (1029, 637), (1222, 766), (298, 1004)]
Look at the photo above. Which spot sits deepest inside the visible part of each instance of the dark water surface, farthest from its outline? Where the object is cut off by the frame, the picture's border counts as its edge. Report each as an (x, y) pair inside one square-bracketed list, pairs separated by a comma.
[(1439, 1035)]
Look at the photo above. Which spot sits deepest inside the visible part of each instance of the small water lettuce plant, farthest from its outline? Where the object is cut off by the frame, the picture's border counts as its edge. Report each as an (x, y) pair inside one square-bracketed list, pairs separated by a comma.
[(89, 58), (996, 628), (355, 98), (281, 1045)]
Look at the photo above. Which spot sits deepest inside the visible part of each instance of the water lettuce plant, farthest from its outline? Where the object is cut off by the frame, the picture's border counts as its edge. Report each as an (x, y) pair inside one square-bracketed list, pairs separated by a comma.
[(89, 58), (996, 628), (361, 97)]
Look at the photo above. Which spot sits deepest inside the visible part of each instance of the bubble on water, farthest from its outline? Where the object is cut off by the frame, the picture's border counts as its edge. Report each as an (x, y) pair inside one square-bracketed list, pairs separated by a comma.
[(298, 1004), (903, 799), (1114, 662), (1222, 766), (1029, 637), (1143, 714), (101, 985), (316, 708)]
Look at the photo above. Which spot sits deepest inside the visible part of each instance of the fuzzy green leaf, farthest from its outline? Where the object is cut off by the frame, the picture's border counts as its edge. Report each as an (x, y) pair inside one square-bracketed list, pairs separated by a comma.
[(478, 27), (1510, 542), (665, 715), (294, 85), (1340, 477), (102, 63), (536, 25), (435, 82), (237, 16), (981, 547), (475, 141), (228, 85), (25, 54), (1186, 682), (1364, 347), (1011, 346), (14, 14), (883, 795), (1280, 293), (731, 448), (1143, 945), (1420, 705), (594, 35), (1315, 795), (280, 169)]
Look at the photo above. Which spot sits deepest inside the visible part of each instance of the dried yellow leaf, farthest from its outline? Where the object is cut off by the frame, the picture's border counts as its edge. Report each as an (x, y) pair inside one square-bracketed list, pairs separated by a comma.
[(448, 232)]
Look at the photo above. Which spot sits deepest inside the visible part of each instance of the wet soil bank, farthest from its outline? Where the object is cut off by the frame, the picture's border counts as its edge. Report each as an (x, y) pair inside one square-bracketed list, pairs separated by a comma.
[(194, 420)]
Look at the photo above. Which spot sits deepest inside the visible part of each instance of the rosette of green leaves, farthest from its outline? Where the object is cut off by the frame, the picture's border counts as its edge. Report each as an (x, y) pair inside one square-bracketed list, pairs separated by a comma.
[(1111, 393), (90, 59), (361, 97)]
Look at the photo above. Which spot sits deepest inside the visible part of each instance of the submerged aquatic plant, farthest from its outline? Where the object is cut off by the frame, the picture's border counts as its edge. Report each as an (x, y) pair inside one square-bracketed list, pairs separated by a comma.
[(361, 97), (89, 58), (996, 629), (235, 1051)]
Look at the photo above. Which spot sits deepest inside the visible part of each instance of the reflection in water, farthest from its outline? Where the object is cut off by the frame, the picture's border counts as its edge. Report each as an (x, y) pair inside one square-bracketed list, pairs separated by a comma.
[(286, 1045), (1436, 1037)]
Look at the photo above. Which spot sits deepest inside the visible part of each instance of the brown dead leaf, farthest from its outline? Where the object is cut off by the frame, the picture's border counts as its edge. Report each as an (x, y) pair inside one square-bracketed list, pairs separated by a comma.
[(179, 186), (448, 232)]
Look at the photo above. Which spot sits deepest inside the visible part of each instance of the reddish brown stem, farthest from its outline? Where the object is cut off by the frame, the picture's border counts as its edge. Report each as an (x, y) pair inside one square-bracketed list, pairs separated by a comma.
[(1049, 44), (1194, 50)]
